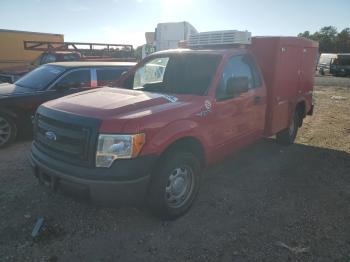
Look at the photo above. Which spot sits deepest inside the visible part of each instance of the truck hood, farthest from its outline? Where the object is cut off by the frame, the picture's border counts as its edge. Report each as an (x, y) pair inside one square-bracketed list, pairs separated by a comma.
[(7, 90), (116, 103)]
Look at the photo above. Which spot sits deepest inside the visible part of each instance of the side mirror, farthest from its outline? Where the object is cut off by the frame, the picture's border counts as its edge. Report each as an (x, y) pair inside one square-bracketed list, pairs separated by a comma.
[(237, 85)]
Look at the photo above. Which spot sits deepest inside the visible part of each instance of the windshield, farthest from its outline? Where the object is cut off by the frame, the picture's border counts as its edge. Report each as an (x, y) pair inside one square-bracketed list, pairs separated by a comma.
[(177, 74), (344, 61), (40, 77)]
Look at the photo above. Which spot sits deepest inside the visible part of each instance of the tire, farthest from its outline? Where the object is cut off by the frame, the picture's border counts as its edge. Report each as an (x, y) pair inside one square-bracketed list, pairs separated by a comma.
[(8, 130), (288, 135), (175, 185)]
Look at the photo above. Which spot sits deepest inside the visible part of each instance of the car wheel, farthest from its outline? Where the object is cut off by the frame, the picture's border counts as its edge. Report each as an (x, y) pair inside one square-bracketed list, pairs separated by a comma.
[(174, 185), (288, 135), (8, 130)]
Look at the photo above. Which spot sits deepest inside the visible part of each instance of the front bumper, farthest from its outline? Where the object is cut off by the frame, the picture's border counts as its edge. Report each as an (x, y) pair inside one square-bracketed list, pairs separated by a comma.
[(124, 183)]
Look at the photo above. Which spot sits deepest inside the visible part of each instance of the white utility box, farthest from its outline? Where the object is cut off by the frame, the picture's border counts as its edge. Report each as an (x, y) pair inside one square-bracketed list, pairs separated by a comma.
[(225, 37)]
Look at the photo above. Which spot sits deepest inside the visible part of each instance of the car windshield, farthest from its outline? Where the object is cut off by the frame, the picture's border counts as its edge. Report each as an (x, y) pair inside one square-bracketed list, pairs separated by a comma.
[(41, 77), (177, 74)]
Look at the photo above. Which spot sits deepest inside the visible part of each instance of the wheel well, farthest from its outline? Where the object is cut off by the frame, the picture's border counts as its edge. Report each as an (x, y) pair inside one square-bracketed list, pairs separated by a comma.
[(20, 118), (190, 144), (300, 108), (9, 112)]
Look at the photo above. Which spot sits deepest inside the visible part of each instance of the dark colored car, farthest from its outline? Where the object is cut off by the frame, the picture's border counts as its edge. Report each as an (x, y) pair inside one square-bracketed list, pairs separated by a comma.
[(340, 66), (19, 101)]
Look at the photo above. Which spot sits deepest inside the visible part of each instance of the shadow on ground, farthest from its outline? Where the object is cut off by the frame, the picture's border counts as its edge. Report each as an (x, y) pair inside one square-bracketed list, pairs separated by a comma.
[(257, 198)]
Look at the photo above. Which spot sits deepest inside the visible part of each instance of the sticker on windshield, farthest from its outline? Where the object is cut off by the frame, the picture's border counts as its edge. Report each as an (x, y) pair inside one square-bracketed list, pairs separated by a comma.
[(172, 99)]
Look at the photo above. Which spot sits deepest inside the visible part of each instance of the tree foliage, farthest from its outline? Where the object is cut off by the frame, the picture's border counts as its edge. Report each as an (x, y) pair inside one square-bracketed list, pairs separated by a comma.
[(330, 40)]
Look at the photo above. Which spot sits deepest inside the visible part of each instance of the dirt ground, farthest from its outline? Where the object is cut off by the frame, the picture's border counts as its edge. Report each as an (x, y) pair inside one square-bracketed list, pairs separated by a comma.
[(266, 203)]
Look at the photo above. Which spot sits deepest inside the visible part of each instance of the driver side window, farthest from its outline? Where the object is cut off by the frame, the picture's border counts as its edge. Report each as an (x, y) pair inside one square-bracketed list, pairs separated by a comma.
[(237, 78), (75, 79)]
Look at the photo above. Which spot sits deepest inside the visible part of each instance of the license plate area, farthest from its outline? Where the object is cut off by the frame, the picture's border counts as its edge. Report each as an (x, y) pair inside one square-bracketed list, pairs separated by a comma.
[(69, 188), (47, 180)]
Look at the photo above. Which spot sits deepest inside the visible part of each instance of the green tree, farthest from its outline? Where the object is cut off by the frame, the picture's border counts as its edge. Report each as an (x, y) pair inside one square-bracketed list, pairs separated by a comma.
[(343, 41), (327, 38), (306, 34), (330, 41)]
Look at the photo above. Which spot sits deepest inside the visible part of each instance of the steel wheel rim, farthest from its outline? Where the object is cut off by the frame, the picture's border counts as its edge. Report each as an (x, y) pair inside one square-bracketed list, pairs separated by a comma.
[(180, 186), (5, 131)]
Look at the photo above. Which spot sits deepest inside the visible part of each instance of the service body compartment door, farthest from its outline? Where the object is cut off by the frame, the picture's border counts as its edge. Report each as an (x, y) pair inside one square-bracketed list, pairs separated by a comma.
[(288, 81), (308, 67)]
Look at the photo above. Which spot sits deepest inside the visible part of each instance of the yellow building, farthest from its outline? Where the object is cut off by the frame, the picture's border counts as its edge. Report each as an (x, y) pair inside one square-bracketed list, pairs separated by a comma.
[(12, 51)]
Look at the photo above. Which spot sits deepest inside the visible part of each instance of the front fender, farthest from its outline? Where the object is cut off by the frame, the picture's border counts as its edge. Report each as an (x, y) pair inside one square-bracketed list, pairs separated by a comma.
[(10, 112), (174, 131)]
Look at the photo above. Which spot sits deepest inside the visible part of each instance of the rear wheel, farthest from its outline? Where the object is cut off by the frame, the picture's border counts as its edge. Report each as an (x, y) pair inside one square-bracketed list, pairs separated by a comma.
[(175, 185), (288, 135), (8, 130)]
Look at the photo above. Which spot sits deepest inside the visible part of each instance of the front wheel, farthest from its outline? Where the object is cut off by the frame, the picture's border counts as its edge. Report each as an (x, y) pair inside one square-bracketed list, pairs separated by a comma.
[(175, 185), (288, 135), (8, 130)]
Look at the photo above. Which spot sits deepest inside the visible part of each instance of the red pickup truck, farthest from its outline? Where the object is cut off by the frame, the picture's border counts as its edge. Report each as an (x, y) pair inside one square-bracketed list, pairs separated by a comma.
[(177, 112)]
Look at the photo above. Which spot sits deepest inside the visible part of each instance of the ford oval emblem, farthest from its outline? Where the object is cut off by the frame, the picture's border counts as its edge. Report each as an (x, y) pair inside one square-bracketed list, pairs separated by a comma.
[(51, 136)]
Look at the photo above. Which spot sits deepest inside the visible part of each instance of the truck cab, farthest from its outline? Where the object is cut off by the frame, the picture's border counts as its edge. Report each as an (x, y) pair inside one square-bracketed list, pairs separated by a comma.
[(51, 52), (12, 74), (175, 113), (340, 66)]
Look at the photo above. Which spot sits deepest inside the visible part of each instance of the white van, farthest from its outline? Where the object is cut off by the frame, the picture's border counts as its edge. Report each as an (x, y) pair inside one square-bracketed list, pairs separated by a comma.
[(324, 63)]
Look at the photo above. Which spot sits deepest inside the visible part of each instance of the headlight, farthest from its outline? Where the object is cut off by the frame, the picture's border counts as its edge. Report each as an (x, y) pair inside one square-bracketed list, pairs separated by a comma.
[(112, 147)]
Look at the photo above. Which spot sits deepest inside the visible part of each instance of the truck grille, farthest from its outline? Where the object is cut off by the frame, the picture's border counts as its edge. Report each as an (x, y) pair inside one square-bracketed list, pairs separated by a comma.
[(69, 142)]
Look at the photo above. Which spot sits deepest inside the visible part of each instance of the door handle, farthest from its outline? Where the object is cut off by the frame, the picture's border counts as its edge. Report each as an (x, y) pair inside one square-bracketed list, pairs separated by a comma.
[(257, 100)]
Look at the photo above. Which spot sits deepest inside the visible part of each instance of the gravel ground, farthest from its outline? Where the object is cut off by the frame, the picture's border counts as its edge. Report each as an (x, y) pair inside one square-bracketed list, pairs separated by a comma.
[(265, 203), (332, 81)]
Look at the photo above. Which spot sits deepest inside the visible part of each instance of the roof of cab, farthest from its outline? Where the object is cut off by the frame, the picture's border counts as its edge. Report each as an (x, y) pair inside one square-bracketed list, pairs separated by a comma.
[(218, 51), (92, 64)]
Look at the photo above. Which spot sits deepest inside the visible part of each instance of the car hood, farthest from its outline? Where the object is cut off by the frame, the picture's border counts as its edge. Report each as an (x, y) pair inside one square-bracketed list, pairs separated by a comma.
[(7, 90), (116, 103)]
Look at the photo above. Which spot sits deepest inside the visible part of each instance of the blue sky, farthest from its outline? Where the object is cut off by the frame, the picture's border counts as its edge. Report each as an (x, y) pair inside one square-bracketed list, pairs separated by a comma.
[(125, 21)]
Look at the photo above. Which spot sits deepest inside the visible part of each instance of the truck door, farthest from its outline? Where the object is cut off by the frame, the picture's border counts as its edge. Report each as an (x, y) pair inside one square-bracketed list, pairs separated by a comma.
[(240, 107)]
